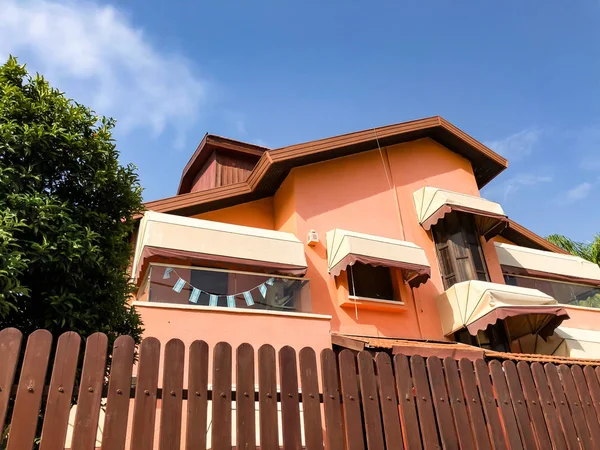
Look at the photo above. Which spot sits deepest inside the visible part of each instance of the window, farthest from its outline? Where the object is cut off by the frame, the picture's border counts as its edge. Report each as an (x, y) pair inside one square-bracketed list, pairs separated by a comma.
[(458, 248), (369, 281), (228, 289), (565, 293)]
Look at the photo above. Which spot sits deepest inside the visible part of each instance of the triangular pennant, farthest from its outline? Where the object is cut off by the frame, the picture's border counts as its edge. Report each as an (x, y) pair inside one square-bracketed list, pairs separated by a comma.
[(231, 301), (179, 285), (167, 273), (270, 281), (248, 298), (213, 300), (263, 290), (195, 295)]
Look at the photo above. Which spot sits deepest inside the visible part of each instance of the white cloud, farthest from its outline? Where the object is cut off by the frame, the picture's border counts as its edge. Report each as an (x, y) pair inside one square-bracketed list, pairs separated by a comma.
[(518, 145), (514, 184), (578, 192), (97, 56)]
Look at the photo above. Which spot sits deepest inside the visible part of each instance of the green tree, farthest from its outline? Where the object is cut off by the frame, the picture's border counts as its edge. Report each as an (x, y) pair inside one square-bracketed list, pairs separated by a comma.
[(585, 250), (66, 213)]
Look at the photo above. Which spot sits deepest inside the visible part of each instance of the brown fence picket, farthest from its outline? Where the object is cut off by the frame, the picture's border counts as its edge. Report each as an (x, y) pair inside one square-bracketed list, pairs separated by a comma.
[(367, 403), (334, 435), (244, 386), (172, 396), (553, 425), (10, 348), (406, 403), (197, 401), (144, 410), (507, 414), (290, 406), (267, 398), (221, 398), (311, 405), (427, 421), (60, 392), (473, 403), (490, 408), (353, 423), (515, 394), (464, 430), (117, 402), (89, 399), (594, 387), (29, 392), (591, 417), (574, 402), (560, 403), (389, 402), (370, 401), (441, 402)]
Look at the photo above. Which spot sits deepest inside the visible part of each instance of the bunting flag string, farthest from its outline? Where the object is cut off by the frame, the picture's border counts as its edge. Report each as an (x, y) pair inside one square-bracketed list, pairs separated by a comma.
[(214, 298)]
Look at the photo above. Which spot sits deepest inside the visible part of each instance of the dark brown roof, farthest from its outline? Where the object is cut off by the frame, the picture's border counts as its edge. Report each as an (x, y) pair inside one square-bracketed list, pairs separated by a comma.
[(520, 235), (274, 165)]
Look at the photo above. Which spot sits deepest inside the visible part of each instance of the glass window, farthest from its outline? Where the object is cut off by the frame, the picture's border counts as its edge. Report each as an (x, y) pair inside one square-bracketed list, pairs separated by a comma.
[(459, 250), (369, 281), (195, 286), (565, 293)]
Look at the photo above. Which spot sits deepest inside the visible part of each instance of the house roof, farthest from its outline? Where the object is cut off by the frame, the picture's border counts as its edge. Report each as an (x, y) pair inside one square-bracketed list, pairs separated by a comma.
[(209, 143), (520, 235), (274, 165)]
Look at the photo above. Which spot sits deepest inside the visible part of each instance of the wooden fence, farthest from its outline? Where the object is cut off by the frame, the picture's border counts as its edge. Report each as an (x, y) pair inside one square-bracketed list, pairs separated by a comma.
[(357, 401)]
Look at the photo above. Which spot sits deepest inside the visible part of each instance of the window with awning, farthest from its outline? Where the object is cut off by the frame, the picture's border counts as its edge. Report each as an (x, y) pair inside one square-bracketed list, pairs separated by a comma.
[(195, 241), (474, 305), (346, 248), (516, 260), (432, 204)]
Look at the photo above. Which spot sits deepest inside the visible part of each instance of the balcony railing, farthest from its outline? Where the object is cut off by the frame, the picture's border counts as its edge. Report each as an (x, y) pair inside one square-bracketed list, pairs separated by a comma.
[(202, 287)]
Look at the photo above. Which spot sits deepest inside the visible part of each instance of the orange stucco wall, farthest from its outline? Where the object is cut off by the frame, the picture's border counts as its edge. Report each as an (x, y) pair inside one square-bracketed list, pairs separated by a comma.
[(357, 193), (370, 192), (258, 214), (213, 326), (584, 318)]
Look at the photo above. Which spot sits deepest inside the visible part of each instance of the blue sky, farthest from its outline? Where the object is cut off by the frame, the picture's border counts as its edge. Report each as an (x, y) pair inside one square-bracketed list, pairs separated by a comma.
[(524, 78)]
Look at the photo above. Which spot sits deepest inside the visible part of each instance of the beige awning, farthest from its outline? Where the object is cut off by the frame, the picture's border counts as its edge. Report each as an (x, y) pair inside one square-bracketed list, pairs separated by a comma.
[(195, 240), (476, 304), (344, 248), (517, 260), (569, 342), (433, 204)]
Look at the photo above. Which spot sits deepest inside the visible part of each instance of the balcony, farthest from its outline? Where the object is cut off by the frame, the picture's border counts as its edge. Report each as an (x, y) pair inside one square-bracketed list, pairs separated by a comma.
[(226, 289)]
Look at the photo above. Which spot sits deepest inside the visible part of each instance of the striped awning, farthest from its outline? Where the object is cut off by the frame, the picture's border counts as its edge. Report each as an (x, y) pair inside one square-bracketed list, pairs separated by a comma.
[(517, 260), (345, 248), (476, 304), (202, 241), (432, 204)]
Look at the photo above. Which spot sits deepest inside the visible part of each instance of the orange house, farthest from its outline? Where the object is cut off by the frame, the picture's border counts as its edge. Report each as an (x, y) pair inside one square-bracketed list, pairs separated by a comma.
[(373, 239)]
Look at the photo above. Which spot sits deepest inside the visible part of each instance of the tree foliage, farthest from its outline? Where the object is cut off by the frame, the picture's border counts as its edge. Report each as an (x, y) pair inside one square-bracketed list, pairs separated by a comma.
[(586, 250), (66, 213)]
